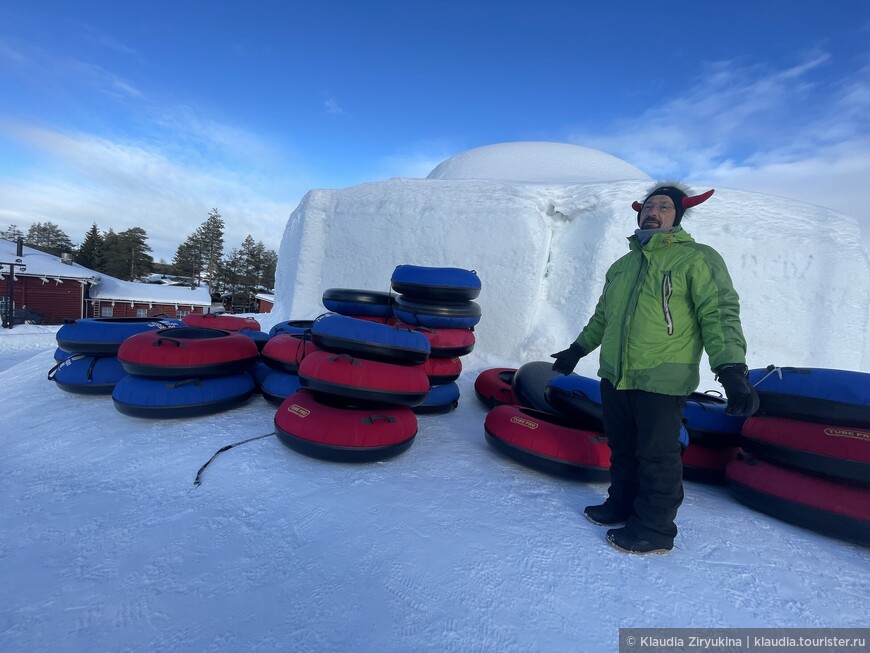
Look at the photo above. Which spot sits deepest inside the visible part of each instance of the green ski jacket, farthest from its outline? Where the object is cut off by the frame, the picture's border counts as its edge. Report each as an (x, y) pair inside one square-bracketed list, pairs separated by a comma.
[(661, 304)]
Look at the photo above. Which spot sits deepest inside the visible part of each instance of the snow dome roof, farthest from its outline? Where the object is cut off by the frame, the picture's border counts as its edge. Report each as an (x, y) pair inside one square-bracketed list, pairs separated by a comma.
[(536, 161)]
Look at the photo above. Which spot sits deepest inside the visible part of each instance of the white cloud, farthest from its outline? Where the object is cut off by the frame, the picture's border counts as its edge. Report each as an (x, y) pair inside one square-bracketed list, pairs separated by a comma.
[(801, 132), (122, 185), (332, 107)]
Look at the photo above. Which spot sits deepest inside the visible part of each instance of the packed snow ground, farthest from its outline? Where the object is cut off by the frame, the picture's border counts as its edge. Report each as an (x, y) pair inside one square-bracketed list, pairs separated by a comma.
[(449, 547)]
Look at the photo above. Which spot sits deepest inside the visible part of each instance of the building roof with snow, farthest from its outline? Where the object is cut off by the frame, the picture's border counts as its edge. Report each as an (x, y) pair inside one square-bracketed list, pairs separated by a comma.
[(102, 286)]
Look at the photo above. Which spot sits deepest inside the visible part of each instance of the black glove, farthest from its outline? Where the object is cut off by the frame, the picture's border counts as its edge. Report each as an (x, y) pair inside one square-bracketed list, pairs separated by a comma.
[(742, 397), (567, 359)]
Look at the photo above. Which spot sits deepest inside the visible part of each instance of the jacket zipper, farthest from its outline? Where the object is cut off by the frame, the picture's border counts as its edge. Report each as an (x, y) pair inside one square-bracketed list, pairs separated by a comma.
[(667, 291), (629, 312)]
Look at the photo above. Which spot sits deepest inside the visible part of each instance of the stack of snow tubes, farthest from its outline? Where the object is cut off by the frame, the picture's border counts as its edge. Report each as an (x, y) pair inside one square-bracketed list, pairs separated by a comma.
[(358, 387), (553, 421), (523, 425), (185, 372), (806, 451), (438, 302), (87, 349)]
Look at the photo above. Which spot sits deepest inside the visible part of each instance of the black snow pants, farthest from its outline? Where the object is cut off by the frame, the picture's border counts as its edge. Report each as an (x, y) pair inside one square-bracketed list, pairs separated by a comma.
[(646, 469)]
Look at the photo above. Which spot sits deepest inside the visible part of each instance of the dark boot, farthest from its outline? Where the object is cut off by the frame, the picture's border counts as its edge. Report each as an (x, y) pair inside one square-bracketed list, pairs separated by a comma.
[(622, 539), (606, 514)]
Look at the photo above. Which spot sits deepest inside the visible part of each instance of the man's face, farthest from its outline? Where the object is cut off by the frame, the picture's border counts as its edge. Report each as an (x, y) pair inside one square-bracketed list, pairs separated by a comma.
[(658, 212)]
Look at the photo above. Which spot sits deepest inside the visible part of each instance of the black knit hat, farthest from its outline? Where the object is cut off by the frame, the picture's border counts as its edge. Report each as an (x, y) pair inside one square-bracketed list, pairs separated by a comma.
[(678, 193)]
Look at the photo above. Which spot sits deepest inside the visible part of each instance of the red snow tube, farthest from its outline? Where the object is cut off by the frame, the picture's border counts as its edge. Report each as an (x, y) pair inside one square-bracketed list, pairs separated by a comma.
[(187, 352), (842, 452), (285, 351), (442, 370), (494, 387), (221, 321), (826, 506), (548, 442), (707, 464), (314, 429), (359, 380), (445, 343)]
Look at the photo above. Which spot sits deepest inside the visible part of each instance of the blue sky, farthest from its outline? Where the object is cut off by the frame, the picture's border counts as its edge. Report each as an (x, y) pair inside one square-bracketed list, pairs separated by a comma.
[(149, 114)]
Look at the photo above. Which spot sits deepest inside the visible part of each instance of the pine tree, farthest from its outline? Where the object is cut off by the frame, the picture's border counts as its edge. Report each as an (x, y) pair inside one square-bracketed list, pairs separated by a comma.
[(12, 233), (90, 253), (210, 235), (126, 254), (49, 238), (201, 253)]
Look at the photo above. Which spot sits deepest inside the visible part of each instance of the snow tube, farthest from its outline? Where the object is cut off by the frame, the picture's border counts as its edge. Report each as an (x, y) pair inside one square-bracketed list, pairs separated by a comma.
[(707, 423), (260, 338), (366, 339), (60, 355), (278, 386), (704, 464), (285, 351), (827, 396), (435, 284), (579, 397), (837, 509), (259, 372), (104, 335), (440, 399), (548, 442), (493, 387), (445, 343), (362, 381), (437, 315), (221, 321), (841, 452), (315, 429), (87, 375), (442, 370), (141, 396), (290, 326), (530, 383), (187, 352), (358, 303)]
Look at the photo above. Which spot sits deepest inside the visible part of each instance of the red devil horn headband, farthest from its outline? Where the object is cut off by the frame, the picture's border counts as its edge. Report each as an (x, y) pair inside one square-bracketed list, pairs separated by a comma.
[(688, 202)]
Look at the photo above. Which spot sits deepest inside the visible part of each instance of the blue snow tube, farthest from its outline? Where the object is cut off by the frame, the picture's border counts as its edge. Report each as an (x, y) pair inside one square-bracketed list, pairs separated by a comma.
[(260, 338), (440, 399), (87, 375), (707, 423), (436, 315), (827, 396), (279, 385), (341, 334), (141, 396), (579, 397), (104, 335), (435, 284)]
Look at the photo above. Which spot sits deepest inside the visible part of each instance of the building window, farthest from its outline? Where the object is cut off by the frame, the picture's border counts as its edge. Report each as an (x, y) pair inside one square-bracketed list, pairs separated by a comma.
[(106, 311), (141, 312), (181, 313)]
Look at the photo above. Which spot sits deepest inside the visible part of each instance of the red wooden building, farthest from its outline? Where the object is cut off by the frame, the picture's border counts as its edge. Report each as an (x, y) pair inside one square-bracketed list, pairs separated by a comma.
[(56, 289)]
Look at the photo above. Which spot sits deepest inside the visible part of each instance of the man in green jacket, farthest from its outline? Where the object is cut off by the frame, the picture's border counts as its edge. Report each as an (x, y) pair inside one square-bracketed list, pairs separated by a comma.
[(662, 303)]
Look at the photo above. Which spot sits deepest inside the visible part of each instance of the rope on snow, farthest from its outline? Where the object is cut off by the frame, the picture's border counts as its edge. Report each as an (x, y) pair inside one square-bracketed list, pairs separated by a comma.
[(197, 482)]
